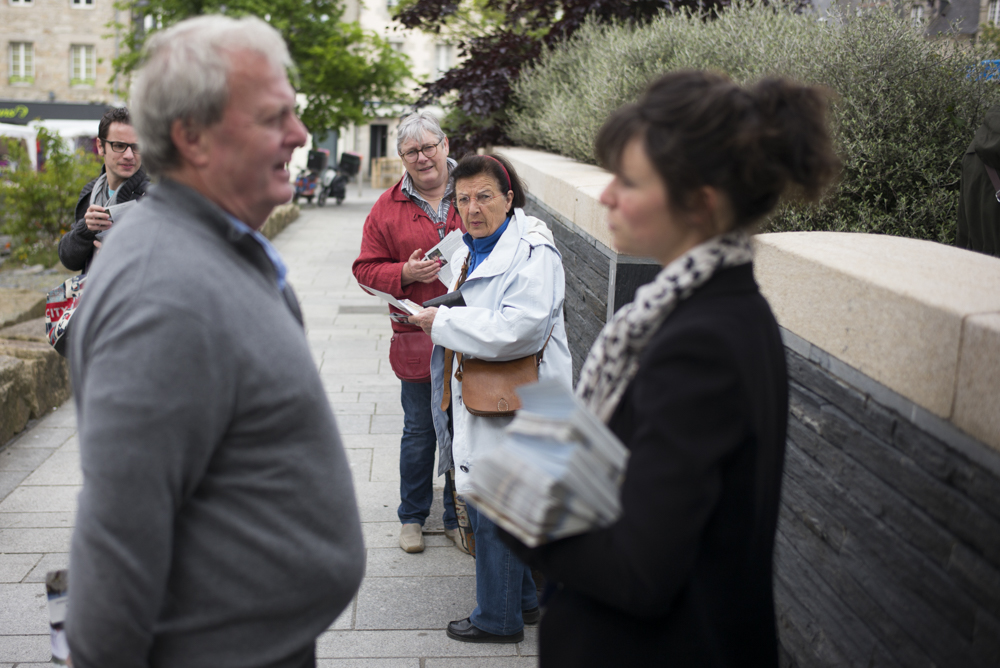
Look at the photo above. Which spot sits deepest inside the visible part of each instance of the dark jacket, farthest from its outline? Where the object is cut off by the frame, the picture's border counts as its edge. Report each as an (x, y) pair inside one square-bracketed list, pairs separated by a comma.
[(684, 577), (76, 248), (978, 208)]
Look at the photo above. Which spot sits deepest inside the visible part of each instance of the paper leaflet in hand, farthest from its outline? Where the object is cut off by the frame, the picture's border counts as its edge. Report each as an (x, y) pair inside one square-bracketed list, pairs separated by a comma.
[(556, 474), (442, 253), (404, 305)]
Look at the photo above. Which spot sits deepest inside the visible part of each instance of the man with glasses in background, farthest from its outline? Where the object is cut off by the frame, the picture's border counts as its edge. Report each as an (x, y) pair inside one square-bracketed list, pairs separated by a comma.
[(408, 220), (121, 180)]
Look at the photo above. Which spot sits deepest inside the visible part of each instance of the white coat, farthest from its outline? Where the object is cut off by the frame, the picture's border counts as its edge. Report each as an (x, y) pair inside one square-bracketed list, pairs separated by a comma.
[(513, 299)]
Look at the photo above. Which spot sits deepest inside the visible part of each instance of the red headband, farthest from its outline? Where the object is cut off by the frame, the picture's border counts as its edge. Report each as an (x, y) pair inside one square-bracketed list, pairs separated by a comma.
[(510, 186)]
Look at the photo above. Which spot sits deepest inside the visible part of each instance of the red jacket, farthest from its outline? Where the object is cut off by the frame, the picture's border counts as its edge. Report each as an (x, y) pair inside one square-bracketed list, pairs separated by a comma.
[(396, 227)]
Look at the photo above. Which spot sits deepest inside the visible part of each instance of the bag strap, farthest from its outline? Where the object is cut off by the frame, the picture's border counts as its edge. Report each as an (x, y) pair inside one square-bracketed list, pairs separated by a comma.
[(995, 178), (450, 354)]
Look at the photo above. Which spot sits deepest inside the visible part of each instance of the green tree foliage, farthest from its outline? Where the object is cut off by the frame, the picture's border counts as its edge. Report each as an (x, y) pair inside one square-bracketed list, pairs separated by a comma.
[(513, 34), (37, 207), (342, 70), (904, 107)]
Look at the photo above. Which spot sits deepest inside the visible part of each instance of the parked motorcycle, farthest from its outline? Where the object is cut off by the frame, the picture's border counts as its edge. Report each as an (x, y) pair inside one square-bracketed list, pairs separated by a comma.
[(308, 183)]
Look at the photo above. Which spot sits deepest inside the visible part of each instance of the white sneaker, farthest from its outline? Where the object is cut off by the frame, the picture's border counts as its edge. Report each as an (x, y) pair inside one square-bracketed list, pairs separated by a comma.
[(411, 538), (455, 535)]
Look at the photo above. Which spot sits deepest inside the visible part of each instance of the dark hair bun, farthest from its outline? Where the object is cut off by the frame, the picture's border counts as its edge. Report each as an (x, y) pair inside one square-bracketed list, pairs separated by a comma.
[(699, 128)]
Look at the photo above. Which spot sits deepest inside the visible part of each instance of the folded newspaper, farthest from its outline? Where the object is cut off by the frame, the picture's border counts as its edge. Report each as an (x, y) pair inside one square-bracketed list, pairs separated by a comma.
[(557, 473), (442, 253)]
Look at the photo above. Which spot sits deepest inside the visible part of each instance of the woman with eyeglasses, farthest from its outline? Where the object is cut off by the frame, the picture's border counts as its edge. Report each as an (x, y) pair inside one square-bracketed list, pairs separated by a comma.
[(513, 287)]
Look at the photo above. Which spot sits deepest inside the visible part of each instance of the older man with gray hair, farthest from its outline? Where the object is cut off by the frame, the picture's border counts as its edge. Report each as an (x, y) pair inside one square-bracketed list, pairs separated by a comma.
[(217, 524), (407, 221)]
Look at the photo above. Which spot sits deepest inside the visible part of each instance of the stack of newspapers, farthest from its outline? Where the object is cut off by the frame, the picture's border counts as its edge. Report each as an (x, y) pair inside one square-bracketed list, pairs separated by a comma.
[(556, 474)]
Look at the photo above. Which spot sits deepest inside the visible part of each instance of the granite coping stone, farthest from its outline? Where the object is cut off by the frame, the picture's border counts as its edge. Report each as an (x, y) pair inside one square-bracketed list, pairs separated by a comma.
[(921, 318)]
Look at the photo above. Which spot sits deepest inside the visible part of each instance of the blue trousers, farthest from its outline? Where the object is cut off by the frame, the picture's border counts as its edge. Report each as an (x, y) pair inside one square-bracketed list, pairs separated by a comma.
[(416, 459), (504, 586)]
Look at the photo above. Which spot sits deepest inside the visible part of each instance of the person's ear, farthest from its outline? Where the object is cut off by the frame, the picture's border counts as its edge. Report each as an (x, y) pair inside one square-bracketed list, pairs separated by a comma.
[(510, 199), (100, 147), (191, 141), (444, 147), (709, 211)]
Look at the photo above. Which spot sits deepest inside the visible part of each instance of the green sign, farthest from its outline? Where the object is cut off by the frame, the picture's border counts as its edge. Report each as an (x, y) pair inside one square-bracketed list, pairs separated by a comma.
[(20, 111)]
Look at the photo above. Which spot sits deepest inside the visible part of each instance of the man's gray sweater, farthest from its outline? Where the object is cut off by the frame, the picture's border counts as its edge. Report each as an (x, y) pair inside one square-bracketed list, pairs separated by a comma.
[(217, 524)]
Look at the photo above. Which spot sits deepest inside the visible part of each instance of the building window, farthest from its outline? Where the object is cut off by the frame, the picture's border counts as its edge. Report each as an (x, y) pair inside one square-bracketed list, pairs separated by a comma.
[(20, 3), (82, 4), (993, 13), (442, 59), (22, 62), (83, 65), (917, 15)]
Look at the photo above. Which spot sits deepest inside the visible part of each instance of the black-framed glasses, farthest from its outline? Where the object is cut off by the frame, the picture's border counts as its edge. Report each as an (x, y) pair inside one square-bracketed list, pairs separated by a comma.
[(429, 150), (120, 146)]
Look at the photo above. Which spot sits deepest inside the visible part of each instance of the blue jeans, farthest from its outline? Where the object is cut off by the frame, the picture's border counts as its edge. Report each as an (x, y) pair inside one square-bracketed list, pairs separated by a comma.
[(416, 459), (504, 586)]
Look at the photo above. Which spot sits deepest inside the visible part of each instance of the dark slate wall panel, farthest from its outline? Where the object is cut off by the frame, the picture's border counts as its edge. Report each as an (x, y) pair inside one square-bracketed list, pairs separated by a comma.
[(888, 547), (588, 275)]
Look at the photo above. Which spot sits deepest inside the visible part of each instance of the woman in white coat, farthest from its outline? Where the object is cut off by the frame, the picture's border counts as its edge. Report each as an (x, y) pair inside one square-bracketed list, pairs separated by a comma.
[(513, 290)]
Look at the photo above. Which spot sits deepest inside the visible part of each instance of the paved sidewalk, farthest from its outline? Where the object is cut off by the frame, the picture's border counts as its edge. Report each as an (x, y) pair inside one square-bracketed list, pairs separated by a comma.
[(398, 618)]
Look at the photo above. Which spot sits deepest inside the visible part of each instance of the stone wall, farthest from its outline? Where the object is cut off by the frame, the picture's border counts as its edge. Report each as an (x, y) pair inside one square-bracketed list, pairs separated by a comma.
[(888, 546)]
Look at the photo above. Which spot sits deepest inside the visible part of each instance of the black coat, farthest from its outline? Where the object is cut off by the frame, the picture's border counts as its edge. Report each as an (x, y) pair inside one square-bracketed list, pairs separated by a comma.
[(76, 248), (684, 577), (978, 208)]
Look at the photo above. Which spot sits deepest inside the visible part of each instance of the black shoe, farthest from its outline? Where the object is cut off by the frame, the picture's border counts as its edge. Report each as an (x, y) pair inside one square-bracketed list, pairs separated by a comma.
[(465, 631), (531, 616)]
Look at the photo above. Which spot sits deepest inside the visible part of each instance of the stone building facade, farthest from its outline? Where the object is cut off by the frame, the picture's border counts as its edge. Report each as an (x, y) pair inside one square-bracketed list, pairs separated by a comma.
[(58, 50)]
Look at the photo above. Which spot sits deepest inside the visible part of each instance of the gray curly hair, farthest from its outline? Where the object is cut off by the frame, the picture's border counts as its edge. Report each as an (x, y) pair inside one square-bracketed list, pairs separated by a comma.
[(184, 76)]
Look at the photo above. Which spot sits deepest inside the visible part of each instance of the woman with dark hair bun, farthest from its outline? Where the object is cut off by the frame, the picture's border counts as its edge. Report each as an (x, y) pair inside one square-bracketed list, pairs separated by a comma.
[(513, 287), (691, 377)]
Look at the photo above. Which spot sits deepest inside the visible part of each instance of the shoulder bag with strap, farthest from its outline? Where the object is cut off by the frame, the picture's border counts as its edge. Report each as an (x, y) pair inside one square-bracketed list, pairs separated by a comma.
[(488, 388)]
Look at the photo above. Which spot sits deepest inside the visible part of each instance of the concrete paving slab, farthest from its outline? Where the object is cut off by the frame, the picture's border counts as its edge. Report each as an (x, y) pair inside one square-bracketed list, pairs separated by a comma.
[(354, 424), (434, 561), (382, 534), (15, 567), (360, 460), (376, 441), (36, 520), (62, 468), (50, 562), (429, 643), (64, 416), (387, 424), (72, 445), (390, 407), (356, 408), (35, 540), (26, 499), (342, 397), (14, 458), (341, 366), (414, 602), (25, 610), (385, 464), (9, 480), (377, 501), (490, 662), (368, 663), (45, 437), (27, 648)]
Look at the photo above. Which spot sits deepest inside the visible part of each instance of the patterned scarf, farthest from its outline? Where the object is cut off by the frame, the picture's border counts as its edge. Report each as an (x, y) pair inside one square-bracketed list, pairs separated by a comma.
[(614, 357)]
